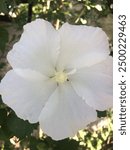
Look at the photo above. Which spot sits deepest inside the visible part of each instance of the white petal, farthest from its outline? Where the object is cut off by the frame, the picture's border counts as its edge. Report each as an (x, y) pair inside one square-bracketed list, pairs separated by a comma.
[(37, 49), (94, 84), (31, 75), (65, 113), (25, 96), (82, 46)]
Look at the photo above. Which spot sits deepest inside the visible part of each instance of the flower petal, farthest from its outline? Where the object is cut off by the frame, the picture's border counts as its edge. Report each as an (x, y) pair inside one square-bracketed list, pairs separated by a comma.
[(94, 84), (25, 96), (82, 46), (65, 113), (37, 49)]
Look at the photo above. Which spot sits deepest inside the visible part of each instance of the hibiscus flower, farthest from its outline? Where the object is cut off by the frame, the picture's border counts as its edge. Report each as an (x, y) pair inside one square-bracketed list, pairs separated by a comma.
[(59, 78)]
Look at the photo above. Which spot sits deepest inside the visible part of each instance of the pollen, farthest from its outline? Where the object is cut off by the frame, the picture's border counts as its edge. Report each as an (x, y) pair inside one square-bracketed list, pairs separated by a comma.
[(60, 77)]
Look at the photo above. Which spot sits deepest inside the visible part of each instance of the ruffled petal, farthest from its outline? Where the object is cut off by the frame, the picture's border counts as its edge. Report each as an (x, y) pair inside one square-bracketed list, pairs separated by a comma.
[(82, 46), (37, 49), (94, 84), (65, 113), (26, 96)]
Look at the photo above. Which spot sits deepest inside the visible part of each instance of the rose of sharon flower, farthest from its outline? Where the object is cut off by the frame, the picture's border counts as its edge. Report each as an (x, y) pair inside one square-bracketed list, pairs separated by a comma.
[(59, 77)]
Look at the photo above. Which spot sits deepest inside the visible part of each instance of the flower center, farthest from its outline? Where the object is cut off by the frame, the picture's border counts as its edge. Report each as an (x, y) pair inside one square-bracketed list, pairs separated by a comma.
[(60, 77)]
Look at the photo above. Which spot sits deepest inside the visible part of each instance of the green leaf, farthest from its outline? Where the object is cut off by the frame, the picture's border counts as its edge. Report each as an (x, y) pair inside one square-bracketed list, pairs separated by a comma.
[(3, 7), (19, 127), (5, 134), (101, 113), (67, 144), (4, 37), (35, 144), (3, 116)]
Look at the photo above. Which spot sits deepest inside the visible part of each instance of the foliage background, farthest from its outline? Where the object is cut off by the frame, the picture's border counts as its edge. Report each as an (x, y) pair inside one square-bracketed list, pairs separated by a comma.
[(16, 134)]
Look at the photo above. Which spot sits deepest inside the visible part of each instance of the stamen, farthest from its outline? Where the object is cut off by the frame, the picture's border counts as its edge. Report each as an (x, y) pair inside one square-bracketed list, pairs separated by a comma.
[(60, 77)]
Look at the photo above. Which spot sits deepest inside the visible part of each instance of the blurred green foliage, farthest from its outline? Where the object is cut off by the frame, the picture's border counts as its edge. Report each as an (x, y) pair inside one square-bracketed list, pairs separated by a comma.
[(3, 38), (16, 134)]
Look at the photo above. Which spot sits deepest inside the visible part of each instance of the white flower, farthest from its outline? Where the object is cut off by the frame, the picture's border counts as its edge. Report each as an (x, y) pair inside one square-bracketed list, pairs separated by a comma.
[(59, 78)]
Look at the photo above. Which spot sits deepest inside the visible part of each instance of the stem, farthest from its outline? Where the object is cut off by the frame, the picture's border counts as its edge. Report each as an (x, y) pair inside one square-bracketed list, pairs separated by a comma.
[(30, 5)]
